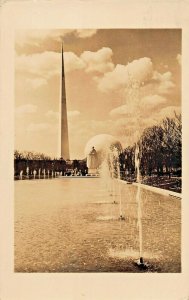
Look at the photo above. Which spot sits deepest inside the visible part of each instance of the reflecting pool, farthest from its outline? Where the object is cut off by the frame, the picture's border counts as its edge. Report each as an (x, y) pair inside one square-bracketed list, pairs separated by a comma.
[(73, 225)]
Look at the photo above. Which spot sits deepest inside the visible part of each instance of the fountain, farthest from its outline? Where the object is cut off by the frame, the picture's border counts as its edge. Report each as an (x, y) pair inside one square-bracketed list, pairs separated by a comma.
[(105, 175), (34, 173), (27, 172), (21, 174), (111, 176), (140, 262), (133, 96), (48, 173), (121, 217), (39, 172), (115, 166), (44, 173)]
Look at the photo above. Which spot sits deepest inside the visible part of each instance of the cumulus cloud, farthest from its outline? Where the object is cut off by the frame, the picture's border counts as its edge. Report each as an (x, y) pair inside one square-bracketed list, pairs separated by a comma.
[(35, 127), (43, 65), (85, 33), (48, 64), (113, 80), (99, 61), (164, 82), (135, 73), (26, 109), (140, 70), (73, 62), (179, 59)]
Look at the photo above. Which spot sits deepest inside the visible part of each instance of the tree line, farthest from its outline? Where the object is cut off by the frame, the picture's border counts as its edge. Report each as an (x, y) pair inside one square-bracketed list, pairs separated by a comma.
[(40, 161), (160, 149)]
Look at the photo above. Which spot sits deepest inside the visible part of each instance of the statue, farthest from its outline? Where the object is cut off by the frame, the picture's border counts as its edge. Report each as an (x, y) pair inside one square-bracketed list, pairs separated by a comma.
[(92, 161)]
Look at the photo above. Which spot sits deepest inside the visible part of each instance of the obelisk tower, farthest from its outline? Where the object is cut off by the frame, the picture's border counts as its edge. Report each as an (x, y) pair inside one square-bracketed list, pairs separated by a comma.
[(64, 122)]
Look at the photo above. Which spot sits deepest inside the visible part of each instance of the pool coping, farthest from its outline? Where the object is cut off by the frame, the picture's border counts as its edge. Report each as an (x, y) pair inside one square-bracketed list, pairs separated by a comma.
[(155, 189)]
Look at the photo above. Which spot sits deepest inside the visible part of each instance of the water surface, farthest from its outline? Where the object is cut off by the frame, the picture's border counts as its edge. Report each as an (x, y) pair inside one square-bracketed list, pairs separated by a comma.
[(72, 225)]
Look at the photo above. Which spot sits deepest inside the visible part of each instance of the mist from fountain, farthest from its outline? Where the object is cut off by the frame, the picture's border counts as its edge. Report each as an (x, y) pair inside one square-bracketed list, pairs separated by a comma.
[(39, 172)]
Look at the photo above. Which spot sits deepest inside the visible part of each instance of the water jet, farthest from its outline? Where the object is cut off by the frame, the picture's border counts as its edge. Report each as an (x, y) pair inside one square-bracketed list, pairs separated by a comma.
[(21, 174)]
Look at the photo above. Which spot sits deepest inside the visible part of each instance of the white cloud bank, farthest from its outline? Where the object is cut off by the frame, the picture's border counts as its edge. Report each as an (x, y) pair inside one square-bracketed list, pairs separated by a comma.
[(99, 61), (40, 67), (72, 62), (137, 72), (164, 81), (43, 65)]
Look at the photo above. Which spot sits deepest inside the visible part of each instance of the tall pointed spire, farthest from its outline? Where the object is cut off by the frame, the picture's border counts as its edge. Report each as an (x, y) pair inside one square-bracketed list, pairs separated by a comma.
[(64, 122)]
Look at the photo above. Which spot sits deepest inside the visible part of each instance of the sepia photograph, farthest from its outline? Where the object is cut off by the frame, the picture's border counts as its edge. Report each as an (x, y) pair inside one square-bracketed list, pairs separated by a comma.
[(97, 150), (94, 150)]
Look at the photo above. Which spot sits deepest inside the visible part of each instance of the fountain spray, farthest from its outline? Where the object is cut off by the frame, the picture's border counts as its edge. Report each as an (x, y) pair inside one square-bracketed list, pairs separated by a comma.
[(119, 185), (112, 175), (117, 165), (140, 262)]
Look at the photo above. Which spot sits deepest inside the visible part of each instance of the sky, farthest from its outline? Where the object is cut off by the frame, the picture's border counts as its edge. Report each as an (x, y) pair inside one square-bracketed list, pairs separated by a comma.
[(118, 82)]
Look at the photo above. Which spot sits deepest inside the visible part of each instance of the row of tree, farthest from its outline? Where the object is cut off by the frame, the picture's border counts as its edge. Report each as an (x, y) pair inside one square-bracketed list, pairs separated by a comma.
[(39, 161), (160, 149), (30, 155)]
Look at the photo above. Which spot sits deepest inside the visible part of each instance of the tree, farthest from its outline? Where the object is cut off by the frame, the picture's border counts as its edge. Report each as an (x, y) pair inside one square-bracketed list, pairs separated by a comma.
[(172, 131), (151, 147)]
